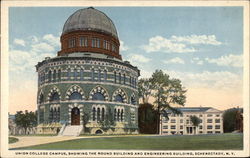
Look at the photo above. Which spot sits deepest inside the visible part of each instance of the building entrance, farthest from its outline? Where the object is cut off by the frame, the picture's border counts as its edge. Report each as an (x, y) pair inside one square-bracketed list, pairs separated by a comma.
[(75, 116)]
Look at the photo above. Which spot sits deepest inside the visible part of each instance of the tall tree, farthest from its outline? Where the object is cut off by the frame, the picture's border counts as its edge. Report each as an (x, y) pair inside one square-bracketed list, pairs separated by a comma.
[(145, 88), (26, 120), (166, 92), (229, 119), (195, 120)]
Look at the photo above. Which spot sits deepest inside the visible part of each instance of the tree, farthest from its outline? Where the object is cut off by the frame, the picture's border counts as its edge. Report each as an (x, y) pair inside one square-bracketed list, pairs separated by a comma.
[(108, 122), (195, 120), (145, 88), (147, 118), (26, 120), (167, 92), (229, 120)]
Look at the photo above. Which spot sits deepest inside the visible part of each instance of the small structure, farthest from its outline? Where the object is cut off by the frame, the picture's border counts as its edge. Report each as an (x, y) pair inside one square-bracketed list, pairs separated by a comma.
[(210, 121)]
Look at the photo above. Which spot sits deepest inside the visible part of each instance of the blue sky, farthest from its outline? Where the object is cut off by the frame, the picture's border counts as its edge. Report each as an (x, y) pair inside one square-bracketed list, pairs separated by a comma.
[(202, 46)]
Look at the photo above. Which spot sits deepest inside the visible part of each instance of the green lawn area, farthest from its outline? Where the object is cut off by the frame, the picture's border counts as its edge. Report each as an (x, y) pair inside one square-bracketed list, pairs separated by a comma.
[(12, 140), (198, 142)]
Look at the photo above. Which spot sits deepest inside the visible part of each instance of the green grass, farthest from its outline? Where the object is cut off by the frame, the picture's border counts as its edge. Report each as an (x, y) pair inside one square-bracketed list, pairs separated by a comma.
[(12, 140), (199, 142)]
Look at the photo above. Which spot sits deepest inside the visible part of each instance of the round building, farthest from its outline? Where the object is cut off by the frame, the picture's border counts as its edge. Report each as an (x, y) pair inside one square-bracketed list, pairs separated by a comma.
[(87, 87)]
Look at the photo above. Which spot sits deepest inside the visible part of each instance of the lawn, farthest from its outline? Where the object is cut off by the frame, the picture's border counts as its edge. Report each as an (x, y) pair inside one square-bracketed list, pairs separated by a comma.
[(198, 142), (12, 140)]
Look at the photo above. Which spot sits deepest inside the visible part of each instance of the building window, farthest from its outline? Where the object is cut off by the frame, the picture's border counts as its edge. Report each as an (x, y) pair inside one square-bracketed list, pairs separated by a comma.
[(81, 74), (122, 115), (50, 75), (181, 120), (200, 115), (59, 75), (103, 114), (72, 43), (209, 121), (124, 78), (69, 74), (118, 115), (54, 97), (115, 114), (96, 42), (200, 132), (200, 127), (217, 131), (106, 44), (113, 47), (165, 127), (217, 120), (187, 121), (172, 121), (105, 75), (209, 127), (93, 113), (210, 132), (98, 114), (209, 115), (118, 98), (99, 76), (98, 96), (120, 78), (115, 77), (93, 75), (173, 127), (181, 127), (218, 115), (165, 132), (133, 100), (217, 126), (75, 96), (83, 41), (41, 99)]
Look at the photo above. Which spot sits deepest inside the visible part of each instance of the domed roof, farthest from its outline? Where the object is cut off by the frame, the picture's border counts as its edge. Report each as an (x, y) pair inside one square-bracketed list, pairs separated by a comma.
[(90, 19)]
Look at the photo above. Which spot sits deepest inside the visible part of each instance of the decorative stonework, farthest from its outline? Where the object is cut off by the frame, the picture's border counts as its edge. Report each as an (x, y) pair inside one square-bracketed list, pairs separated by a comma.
[(72, 89), (101, 90), (52, 91), (80, 107), (122, 94)]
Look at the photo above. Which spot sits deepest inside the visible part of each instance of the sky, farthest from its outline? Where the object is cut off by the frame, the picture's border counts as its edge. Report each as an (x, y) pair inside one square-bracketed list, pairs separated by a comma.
[(201, 46)]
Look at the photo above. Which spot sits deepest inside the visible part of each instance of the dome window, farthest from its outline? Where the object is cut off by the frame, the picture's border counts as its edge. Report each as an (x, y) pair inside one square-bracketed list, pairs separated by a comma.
[(72, 42), (83, 41), (95, 43)]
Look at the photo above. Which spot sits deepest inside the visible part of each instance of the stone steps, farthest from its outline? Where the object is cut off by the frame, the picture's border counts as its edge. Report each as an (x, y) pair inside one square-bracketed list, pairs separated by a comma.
[(72, 130)]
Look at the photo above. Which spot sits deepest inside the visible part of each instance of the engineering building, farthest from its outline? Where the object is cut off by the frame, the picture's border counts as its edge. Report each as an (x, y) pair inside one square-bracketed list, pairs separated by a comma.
[(210, 121), (87, 87)]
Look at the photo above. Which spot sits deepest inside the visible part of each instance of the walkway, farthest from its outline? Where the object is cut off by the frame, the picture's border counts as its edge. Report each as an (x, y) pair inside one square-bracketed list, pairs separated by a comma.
[(25, 141)]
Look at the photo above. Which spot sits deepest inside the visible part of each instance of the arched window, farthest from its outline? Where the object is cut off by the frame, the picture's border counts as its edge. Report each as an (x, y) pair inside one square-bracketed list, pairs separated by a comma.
[(75, 74), (115, 77), (54, 97), (51, 115), (59, 75), (130, 80), (93, 113), (75, 96), (49, 76), (58, 114), (41, 99), (98, 96), (99, 76), (93, 75), (98, 114), (115, 114), (118, 115), (103, 114), (124, 78), (105, 75), (122, 115), (120, 78), (54, 76), (81, 74), (55, 115), (118, 98), (69, 74)]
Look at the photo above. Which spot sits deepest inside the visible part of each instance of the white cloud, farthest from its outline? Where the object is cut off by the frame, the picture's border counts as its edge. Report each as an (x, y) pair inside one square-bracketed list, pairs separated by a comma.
[(197, 39), (134, 58), (159, 43), (229, 60), (53, 40), (175, 60), (197, 61), (42, 47), (19, 42), (179, 44), (123, 47), (217, 80)]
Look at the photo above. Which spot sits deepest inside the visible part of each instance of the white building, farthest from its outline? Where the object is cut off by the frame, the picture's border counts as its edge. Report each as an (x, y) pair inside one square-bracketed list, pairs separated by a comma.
[(211, 121)]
